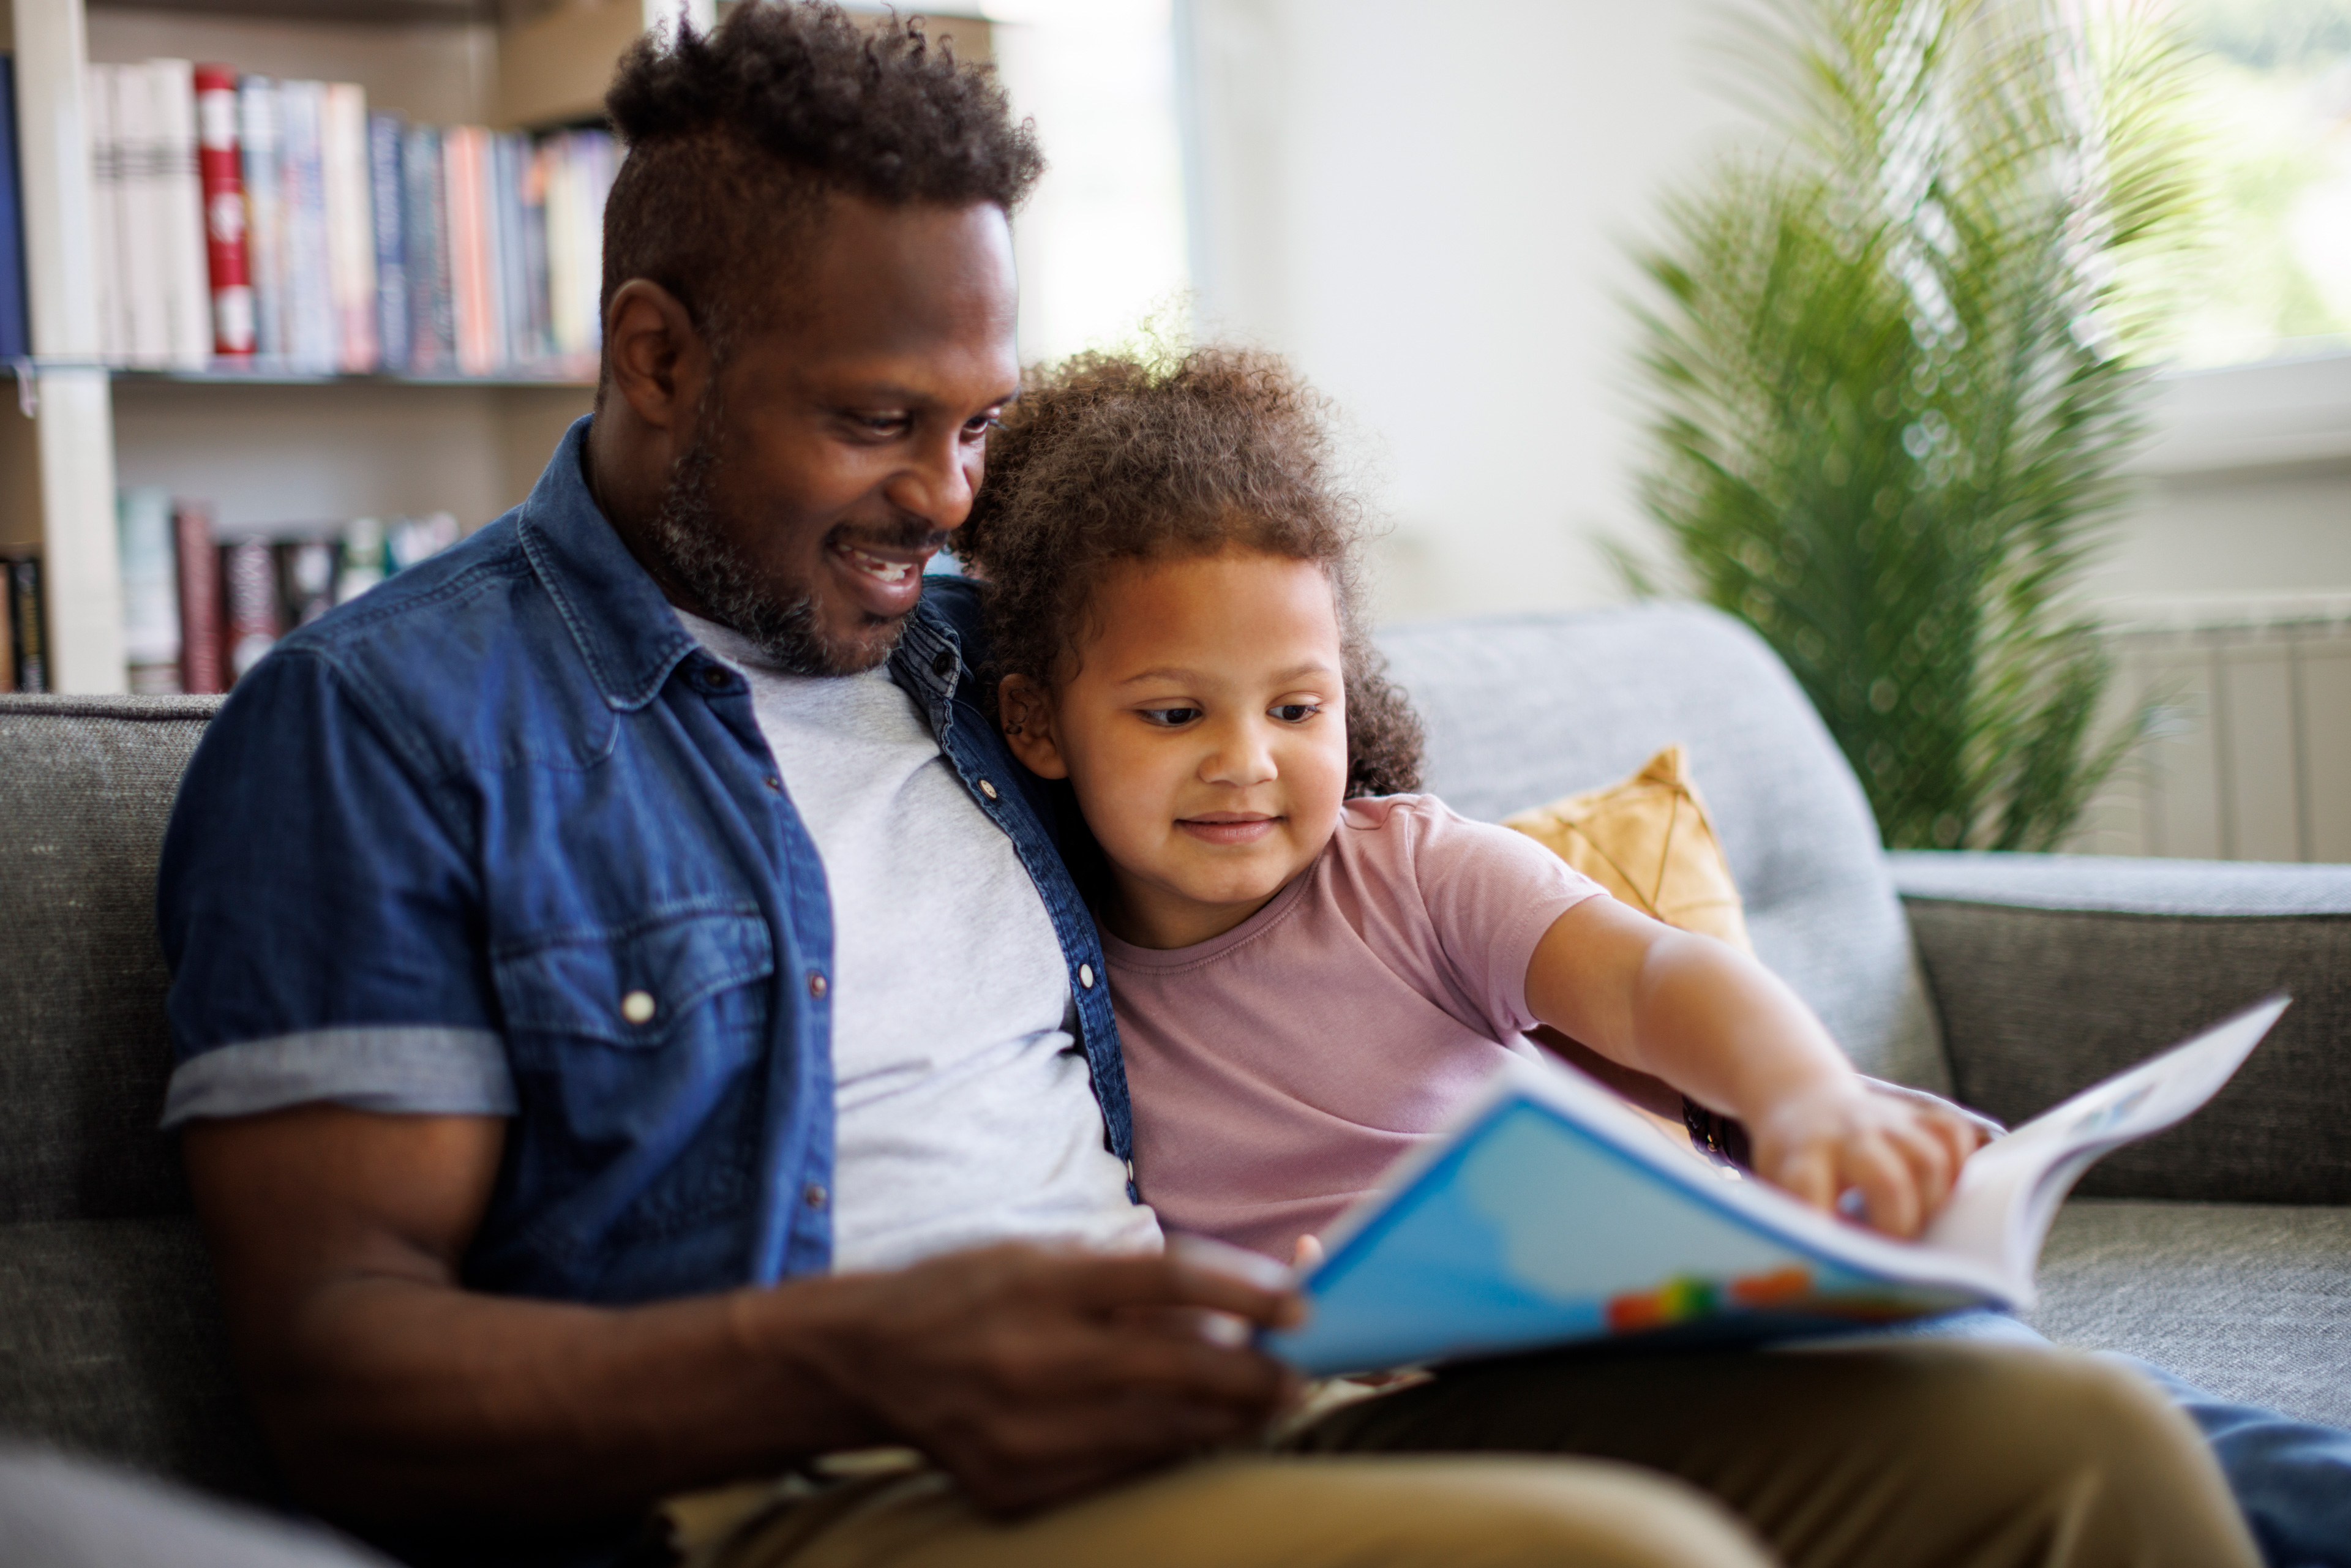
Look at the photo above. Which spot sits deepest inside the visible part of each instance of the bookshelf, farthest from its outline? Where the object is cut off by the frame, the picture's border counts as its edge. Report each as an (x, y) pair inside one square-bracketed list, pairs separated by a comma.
[(273, 449), (268, 449)]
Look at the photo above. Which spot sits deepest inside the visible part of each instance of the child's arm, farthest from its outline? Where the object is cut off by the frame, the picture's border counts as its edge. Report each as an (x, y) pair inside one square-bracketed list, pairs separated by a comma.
[(1720, 1026)]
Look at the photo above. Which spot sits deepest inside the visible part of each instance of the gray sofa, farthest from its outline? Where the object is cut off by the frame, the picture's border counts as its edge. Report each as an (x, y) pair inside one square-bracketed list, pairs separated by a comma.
[(2222, 1249)]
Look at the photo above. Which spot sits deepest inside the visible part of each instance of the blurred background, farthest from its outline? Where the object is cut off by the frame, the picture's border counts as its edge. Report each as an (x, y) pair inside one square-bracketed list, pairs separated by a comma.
[(1438, 214)]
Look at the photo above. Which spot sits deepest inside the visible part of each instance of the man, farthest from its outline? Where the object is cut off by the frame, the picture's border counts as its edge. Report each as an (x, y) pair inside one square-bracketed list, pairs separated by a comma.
[(637, 1034)]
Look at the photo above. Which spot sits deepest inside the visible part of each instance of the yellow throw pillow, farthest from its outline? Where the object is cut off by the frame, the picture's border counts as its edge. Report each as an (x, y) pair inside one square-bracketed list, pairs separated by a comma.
[(1648, 841)]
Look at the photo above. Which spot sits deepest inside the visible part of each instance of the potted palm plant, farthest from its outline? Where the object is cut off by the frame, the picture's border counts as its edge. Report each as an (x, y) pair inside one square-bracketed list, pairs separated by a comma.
[(1895, 367)]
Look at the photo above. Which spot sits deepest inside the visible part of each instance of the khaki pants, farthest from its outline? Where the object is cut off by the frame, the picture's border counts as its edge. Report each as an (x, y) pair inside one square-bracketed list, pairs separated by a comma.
[(1926, 1455)]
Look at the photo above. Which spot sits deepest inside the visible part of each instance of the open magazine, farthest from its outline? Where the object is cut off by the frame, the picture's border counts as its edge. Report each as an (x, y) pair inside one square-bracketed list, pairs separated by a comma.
[(1548, 1213)]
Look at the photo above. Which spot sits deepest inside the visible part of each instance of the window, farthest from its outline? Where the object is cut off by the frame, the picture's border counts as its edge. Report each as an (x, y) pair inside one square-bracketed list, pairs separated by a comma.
[(2275, 98)]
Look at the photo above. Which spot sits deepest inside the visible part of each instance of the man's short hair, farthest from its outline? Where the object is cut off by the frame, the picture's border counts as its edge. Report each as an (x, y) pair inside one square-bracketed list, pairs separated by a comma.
[(736, 138)]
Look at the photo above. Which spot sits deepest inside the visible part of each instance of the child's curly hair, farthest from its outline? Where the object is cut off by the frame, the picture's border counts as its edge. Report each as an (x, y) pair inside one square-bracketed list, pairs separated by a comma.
[(1109, 458)]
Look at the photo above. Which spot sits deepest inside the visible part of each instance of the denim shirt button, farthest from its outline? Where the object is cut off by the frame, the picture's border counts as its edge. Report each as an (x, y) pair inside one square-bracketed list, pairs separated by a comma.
[(814, 1195), (943, 666), (714, 677), (638, 1006), (987, 789), (774, 783), (1086, 975), (816, 984)]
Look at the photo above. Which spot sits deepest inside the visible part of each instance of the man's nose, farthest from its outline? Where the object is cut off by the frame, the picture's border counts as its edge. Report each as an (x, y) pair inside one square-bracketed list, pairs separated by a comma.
[(938, 484)]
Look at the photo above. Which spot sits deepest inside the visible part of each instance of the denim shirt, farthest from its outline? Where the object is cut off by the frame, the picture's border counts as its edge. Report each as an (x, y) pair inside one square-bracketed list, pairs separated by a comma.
[(501, 838)]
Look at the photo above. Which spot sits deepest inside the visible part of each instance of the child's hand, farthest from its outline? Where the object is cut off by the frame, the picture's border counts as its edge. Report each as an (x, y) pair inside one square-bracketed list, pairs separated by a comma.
[(1900, 1157)]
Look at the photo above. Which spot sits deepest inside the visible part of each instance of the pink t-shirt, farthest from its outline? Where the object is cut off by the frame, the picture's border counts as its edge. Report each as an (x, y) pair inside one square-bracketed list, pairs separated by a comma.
[(1276, 1069)]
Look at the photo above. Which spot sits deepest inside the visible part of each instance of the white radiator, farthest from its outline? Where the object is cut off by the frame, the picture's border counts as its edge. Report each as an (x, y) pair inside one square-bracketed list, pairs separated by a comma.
[(2250, 754)]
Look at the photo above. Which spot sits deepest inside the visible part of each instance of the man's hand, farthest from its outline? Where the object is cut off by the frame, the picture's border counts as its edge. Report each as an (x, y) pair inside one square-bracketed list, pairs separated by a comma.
[(1902, 1157), (1032, 1375)]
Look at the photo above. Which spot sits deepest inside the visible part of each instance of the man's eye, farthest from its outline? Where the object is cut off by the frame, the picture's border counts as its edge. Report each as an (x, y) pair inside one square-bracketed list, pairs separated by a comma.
[(980, 426), (1295, 712), (1169, 717), (884, 423)]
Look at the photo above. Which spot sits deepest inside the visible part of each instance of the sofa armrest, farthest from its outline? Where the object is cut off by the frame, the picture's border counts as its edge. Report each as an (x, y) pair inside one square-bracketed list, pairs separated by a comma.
[(2053, 971)]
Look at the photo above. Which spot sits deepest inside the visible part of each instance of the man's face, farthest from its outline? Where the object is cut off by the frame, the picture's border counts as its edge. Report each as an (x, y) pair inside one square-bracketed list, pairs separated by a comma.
[(840, 449)]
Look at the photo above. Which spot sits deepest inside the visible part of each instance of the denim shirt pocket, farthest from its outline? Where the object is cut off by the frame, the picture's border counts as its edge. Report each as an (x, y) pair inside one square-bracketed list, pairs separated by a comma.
[(635, 986), (638, 1054)]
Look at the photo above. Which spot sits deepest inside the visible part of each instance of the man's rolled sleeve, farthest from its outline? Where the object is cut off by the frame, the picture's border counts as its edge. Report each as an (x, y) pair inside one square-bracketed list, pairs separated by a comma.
[(322, 917)]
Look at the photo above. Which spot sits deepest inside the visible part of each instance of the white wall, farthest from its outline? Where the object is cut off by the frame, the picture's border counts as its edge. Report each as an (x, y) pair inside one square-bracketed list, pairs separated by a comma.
[(1424, 206)]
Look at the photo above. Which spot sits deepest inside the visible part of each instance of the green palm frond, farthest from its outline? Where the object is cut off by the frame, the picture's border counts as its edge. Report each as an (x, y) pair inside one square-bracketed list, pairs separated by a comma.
[(1892, 380)]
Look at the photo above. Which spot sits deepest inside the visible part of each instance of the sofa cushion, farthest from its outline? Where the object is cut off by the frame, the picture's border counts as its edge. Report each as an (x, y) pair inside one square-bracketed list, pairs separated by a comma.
[(1523, 709), (112, 1344), (110, 1336), (2055, 971), (2252, 1301), (1648, 841), (85, 789)]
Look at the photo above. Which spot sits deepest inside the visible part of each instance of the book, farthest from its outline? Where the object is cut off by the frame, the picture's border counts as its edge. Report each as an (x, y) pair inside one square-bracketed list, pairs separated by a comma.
[(384, 193), (150, 589), (306, 575), (106, 213), (179, 198), (469, 246), (16, 324), (1547, 1213), (350, 225), (28, 625), (310, 309), (250, 613), (359, 558), (197, 562), (143, 212), (265, 227), (432, 330), (8, 636), (221, 165)]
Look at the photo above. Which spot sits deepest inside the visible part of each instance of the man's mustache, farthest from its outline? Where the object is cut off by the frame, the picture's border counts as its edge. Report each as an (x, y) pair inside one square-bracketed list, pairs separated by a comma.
[(905, 534)]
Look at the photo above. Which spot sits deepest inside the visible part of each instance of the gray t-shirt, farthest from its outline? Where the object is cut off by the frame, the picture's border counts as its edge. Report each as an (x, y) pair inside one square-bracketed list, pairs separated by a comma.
[(963, 1113)]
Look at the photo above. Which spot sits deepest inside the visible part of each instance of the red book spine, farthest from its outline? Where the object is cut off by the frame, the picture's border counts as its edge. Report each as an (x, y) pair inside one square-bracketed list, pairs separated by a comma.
[(199, 599), (223, 172)]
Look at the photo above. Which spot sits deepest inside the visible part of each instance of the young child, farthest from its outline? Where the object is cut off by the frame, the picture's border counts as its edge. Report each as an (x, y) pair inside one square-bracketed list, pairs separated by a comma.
[(1310, 964)]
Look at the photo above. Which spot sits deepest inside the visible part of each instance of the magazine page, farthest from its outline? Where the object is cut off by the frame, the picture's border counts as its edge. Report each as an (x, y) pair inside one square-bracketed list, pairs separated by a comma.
[(2009, 1193)]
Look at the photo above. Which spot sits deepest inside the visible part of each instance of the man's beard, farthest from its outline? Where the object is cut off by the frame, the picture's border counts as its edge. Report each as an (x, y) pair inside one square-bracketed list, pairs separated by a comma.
[(688, 531)]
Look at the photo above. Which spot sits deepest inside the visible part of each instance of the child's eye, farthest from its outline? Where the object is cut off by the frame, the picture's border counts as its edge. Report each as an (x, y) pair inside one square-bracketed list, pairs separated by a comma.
[(1295, 712), (1169, 717)]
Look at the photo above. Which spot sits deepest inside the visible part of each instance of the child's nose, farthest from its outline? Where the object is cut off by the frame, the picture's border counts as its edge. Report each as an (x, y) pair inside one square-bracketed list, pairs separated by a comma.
[(1242, 755)]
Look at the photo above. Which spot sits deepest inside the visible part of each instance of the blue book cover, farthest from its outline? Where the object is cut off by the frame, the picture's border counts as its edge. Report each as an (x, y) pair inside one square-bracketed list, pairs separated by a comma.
[(1548, 1214), (386, 193), (265, 208), (310, 318), (15, 316)]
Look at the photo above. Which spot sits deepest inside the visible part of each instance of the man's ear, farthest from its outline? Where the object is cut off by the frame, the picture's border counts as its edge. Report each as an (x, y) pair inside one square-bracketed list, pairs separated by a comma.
[(1026, 715), (659, 360)]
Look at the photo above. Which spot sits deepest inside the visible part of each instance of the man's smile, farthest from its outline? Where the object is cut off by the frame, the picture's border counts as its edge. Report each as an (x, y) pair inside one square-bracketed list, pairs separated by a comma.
[(885, 582)]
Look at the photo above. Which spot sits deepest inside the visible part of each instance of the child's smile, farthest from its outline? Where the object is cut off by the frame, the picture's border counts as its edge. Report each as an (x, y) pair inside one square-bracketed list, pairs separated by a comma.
[(1204, 731)]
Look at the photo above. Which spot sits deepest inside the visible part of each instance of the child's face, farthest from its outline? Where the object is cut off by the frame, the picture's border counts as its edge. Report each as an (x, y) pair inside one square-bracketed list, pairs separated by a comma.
[(1206, 733)]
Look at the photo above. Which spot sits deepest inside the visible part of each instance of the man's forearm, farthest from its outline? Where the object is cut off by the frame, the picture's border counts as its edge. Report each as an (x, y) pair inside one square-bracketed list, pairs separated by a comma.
[(390, 1393), (396, 1399)]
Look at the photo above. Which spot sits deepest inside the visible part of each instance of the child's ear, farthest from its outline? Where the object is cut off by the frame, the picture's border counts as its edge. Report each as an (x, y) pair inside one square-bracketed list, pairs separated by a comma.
[(1027, 716)]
